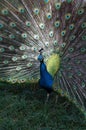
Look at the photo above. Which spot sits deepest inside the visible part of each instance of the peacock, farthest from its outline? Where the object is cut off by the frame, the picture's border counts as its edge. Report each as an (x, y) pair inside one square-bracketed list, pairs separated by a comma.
[(52, 32)]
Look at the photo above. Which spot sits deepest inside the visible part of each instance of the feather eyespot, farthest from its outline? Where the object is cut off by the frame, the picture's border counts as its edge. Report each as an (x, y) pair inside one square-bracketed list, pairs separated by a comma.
[(63, 33), (58, 5), (49, 15), (83, 25), (11, 36), (68, 16), (21, 10), (24, 35), (12, 24), (80, 11), (57, 24), (71, 26), (1, 25), (5, 62), (36, 11), (42, 26), (5, 11), (28, 23), (46, 1), (2, 50)]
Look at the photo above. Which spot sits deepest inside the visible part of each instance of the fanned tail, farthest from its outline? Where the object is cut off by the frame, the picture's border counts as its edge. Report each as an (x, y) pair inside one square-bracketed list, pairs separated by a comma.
[(71, 78), (59, 27)]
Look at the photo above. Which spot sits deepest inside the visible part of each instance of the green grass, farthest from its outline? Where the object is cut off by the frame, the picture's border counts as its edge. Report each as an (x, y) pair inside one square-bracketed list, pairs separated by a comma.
[(24, 109)]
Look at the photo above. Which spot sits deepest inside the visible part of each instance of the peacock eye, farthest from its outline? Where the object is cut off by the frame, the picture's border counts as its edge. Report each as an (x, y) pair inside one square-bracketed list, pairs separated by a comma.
[(18, 68), (51, 34), (5, 62), (36, 11), (71, 27), (29, 65), (58, 5), (24, 57), (63, 45), (84, 37), (1, 39), (42, 26), (71, 49), (63, 33), (79, 73), (2, 50), (14, 58), (57, 24), (11, 48), (71, 38), (21, 10), (13, 81), (28, 23), (46, 1), (67, 16), (24, 35), (46, 44), (69, 1), (34, 49), (55, 43), (36, 37), (83, 25), (22, 80), (11, 36), (80, 11), (22, 48), (83, 49), (12, 24), (83, 84), (1, 25), (5, 11), (9, 79), (49, 15)]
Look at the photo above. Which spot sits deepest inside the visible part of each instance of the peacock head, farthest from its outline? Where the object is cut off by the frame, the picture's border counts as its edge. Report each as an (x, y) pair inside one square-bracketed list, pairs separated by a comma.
[(40, 57)]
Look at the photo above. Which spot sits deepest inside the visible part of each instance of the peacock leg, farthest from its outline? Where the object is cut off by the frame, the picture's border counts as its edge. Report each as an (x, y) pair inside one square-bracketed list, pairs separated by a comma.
[(56, 99), (48, 95)]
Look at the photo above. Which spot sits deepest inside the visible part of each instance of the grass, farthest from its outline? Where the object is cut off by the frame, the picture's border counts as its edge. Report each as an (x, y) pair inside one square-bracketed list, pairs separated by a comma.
[(24, 109)]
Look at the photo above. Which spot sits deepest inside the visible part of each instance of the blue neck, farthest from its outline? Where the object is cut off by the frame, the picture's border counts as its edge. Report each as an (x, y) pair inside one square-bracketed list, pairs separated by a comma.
[(46, 80)]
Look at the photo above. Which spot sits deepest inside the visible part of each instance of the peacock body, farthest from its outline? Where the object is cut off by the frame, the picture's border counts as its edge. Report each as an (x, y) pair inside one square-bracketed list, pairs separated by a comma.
[(57, 26)]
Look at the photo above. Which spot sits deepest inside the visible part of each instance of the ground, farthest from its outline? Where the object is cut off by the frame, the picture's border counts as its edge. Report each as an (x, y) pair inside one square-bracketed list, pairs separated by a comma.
[(24, 109)]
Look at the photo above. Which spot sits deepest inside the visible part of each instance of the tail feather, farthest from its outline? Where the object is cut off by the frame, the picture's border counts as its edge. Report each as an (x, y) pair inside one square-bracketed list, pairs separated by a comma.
[(57, 26)]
